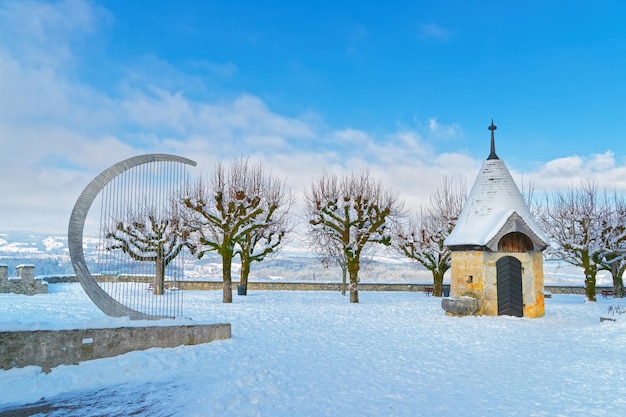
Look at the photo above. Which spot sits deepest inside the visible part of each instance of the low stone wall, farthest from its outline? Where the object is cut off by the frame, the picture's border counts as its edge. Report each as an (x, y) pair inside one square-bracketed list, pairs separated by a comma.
[(324, 286), (59, 279), (50, 348), (565, 289), (332, 286), (24, 283), (299, 286)]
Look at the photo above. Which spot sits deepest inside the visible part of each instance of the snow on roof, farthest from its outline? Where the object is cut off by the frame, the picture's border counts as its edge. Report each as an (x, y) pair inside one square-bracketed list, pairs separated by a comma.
[(493, 202)]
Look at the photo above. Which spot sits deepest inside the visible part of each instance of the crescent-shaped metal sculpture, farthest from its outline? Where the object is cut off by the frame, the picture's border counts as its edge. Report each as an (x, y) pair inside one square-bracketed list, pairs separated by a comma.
[(101, 298)]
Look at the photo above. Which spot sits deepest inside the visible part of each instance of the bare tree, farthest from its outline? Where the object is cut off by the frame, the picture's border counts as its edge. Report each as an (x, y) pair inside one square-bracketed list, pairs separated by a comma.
[(575, 221), (612, 256), (352, 212), (147, 236), (223, 210), (528, 194), (423, 238), (258, 243), (330, 252)]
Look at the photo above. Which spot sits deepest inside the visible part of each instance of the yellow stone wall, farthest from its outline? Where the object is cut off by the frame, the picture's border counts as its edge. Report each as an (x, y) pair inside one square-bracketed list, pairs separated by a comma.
[(473, 274), (466, 274)]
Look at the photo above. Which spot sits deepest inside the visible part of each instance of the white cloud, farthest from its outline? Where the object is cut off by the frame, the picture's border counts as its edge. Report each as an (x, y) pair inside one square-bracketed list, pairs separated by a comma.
[(412, 142), (442, 131), (161, 110), (602, 162), (572, 171), (266, 141), (352, 137), (42, 95), (151, 73), (42, 34), (562, 167), (57, 133), (433, 31)]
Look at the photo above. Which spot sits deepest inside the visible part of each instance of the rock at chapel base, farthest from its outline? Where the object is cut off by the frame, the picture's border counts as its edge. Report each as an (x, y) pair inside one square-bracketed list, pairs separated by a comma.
[(464, 306)]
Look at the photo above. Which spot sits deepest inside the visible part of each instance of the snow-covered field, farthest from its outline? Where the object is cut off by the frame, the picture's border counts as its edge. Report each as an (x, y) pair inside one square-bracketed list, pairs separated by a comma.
[(314, 354)]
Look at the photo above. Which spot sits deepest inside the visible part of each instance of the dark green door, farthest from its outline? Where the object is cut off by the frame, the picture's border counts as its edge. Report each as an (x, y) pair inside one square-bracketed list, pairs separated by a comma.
[(509, 283)]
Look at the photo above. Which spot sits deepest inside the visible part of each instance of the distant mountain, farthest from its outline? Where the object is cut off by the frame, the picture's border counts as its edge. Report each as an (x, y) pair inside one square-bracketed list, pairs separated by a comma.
[(50, 255)]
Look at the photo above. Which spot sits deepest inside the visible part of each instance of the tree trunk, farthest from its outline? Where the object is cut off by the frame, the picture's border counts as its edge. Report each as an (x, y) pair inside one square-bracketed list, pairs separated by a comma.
[(590, 270), (618, 282), (245, 272), (343, 280), (227, 260), (437, 283), (353, 269), (160, 276), (618, 287), (590, 286)]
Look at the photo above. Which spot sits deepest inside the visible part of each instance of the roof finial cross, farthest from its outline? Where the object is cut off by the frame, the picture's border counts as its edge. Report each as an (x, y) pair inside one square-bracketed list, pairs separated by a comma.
[(492, 155)]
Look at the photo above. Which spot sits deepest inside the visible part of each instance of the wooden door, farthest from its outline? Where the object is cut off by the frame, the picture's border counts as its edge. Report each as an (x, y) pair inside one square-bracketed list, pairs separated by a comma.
[(509, 284)]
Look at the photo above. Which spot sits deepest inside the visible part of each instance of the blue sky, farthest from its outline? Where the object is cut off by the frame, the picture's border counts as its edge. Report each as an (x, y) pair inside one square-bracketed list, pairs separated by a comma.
[(406, 90)]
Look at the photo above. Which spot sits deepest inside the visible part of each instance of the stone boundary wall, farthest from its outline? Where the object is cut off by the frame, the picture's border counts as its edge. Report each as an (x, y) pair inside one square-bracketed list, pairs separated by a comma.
[(301, 286), (332, 286), (59, 279), (326, 286), (24, 283), (50, 348), (565, 289)]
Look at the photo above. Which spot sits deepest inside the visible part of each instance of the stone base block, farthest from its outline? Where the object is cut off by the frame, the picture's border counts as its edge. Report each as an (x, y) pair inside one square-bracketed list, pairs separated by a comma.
[(464, 306), (50, 348)]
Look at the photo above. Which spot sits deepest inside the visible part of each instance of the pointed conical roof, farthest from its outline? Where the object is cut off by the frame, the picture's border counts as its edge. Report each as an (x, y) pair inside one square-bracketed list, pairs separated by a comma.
[(494, 208)]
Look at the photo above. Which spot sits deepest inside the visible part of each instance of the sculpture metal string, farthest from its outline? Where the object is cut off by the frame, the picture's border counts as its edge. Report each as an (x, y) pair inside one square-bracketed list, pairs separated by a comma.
[(141, 244)]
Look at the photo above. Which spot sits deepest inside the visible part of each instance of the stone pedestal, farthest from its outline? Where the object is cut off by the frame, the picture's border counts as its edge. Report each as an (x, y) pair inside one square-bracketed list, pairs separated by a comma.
[(464, 306), (26, 272)]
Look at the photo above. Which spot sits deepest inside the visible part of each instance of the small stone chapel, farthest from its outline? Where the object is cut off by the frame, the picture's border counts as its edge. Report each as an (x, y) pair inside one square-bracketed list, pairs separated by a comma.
[(496, 246)]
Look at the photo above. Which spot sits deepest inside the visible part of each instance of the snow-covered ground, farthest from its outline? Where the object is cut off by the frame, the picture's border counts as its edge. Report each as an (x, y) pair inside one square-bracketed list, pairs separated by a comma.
[(314, 354)]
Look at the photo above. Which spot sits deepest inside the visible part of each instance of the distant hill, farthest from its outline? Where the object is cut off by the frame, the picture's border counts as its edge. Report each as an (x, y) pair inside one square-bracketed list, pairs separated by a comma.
[(50, 255)]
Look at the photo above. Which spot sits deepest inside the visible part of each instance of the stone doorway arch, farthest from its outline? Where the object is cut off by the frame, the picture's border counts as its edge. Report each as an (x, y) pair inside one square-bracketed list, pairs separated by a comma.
[(515, 242)]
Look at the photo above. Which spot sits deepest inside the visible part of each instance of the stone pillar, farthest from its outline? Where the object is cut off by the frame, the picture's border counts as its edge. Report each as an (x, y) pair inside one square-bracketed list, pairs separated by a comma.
[(26, 272), (4, 272)]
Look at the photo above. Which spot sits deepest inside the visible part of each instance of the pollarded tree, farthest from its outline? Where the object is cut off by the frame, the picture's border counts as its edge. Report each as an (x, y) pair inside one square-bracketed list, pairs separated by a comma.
[(612, 257), (258, 243), (223, 210), (147, 236), (423, 238), (615, 264), (575, 221), (353, 212)]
